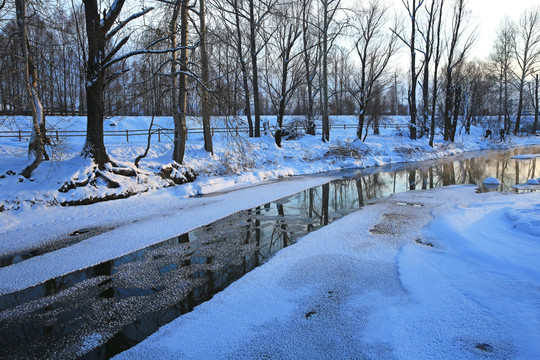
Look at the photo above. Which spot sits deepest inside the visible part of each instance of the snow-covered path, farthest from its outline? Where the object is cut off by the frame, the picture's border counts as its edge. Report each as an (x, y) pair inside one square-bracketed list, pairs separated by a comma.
[(438, 274)]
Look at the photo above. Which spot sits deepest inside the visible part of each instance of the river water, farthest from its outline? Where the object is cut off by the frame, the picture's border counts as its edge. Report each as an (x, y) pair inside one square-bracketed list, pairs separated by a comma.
[(97, 312)]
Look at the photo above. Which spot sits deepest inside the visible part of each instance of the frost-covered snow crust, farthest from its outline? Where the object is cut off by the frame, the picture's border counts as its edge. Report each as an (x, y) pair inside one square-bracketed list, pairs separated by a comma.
[(439, 274)]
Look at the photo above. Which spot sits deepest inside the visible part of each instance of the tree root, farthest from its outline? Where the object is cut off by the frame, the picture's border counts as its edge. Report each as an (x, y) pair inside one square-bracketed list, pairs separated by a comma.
[(173, 174), (177, 173)]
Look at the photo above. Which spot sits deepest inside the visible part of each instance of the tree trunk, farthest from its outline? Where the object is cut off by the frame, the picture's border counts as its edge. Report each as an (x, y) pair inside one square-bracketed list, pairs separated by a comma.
[(536, 105), (205, 98), (282, 99), (456, 103), (412, 91), (243, 67), (520, 104), (435, 77), (174, 77), (324, 80), (94, 146), (36, 145), (253, 49), (96, 31), (180, 127), (310, 122)]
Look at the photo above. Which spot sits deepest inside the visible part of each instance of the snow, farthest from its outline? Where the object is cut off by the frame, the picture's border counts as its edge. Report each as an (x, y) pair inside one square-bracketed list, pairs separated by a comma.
[(341, 290), (525, 156), (31, 215), (145, 220), (491, 181), (460, 279)]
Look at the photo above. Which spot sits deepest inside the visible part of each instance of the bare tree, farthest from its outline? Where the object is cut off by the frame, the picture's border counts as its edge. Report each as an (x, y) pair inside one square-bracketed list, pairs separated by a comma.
[(205, 96), (428, 36), (329, 10), (100, 32), (235, 8), (536, 105), (412, 11), (457, 51), (256, 18), (436, 61), (285, 32), (311, 61), (36, 146), (374, 48), (252, 14), (527, 53), (500, 61), (476, 89), (178, 103)]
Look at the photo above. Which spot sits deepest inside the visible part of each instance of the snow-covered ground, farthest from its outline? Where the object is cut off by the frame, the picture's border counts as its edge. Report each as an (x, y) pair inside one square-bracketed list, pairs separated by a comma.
[(438, 274), (458, 299), (32, 216), (262, 159)]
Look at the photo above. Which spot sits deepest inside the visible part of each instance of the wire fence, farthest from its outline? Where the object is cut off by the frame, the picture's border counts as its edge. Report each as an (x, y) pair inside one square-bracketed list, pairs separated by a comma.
[(54, 135)]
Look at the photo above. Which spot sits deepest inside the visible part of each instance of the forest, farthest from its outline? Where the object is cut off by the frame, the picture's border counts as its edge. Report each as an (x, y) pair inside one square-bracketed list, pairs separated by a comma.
[(249, 58)]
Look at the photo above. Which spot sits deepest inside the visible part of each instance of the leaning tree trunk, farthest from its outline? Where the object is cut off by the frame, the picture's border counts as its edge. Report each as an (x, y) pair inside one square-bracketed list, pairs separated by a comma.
[(36, 146)]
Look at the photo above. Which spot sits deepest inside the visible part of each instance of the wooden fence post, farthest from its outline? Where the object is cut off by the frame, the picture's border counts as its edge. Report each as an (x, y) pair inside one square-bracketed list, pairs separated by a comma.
[(159, 135), (57, 136), (20, 135), (127, 135)]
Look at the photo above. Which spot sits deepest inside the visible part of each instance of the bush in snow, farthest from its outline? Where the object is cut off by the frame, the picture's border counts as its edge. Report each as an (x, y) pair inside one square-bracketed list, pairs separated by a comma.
[(354, 149)]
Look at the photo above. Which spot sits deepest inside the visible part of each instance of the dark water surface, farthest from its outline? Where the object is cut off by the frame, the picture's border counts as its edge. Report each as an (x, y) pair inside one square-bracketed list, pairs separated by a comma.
[(100, 311)]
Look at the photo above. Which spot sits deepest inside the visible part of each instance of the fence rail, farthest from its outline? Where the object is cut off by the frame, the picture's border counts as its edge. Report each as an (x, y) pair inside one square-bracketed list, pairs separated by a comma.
[(54, 135), (47, 113)]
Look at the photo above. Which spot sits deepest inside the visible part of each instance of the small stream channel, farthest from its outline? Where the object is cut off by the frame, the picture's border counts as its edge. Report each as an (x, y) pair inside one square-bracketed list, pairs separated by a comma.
[(98, 312)]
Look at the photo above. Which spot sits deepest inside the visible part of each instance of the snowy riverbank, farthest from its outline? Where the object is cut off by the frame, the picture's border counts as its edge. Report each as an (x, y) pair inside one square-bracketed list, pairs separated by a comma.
[(300, 305), (445, 273), (236, 161), (158, 214)]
